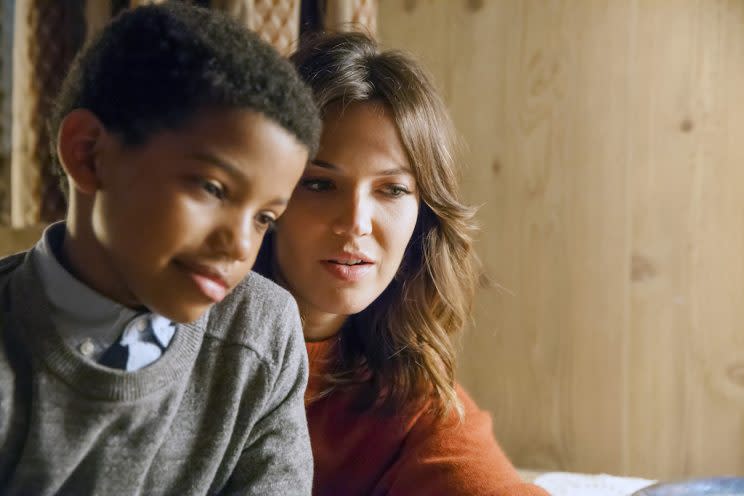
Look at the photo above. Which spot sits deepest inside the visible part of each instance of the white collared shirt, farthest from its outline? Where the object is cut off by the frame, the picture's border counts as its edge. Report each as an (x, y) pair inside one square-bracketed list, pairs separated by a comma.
[(88, 321)]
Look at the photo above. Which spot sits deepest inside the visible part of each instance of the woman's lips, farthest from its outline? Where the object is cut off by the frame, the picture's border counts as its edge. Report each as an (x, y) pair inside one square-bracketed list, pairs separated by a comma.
[(347, 273)]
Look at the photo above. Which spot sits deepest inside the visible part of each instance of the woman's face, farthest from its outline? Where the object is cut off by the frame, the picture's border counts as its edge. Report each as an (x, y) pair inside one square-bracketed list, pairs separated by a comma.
[(343, 235)]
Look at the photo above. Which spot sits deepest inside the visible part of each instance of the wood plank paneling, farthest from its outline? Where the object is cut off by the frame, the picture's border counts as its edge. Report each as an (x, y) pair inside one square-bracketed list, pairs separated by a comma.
[(604, 143)]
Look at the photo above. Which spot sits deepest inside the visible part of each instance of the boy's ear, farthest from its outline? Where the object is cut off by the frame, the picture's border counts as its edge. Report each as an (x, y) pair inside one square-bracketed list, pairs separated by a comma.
[(79, 133)]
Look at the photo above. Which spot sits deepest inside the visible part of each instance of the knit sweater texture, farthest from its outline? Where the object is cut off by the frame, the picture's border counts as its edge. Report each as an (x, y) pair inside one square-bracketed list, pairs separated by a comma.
[(221, 412), (407, 454)]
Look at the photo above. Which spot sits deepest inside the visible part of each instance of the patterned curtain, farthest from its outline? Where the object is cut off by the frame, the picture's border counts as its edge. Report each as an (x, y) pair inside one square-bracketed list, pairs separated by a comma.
[(46, 37), (276, 21), (6, 74), (351, 15)]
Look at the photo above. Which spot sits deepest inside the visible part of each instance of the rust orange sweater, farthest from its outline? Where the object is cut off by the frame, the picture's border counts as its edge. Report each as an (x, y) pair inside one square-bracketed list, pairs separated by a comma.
[(371, 454)]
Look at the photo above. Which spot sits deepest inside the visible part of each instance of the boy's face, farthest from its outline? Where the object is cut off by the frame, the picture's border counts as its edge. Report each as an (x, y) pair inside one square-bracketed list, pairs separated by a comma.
[(180, 219)]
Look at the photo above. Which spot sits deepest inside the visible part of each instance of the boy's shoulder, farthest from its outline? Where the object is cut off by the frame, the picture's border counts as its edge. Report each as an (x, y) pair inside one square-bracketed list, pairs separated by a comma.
[(9, 263), (258, 314)]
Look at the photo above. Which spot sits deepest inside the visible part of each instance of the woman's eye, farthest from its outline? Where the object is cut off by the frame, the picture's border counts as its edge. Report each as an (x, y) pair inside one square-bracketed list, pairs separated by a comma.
[(214, 188), (396, 190), (316, 184), (265, 220)]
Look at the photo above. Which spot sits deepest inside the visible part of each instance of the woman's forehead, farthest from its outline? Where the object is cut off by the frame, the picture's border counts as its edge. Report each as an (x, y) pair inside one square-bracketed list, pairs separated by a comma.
[(362, 135)]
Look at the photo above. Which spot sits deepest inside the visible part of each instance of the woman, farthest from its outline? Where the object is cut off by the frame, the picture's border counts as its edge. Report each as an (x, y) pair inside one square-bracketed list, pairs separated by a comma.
[(377, 249)]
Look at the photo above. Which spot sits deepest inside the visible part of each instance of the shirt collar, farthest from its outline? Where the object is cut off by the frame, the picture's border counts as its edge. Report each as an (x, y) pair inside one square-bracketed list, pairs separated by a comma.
[(163, 329), (78, 302)]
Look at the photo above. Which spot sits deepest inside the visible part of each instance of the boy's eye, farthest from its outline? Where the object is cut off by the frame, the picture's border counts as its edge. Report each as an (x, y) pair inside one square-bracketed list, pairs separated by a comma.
[(316, 184), (396, 190), (214, 188), (265, 220)]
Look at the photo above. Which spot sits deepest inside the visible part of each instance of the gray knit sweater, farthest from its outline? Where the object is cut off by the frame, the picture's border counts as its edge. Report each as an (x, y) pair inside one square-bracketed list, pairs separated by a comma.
[(220, 413)]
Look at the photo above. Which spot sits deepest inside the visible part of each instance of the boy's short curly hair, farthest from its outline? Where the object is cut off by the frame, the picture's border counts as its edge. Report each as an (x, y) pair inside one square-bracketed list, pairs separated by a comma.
[(154, 67)]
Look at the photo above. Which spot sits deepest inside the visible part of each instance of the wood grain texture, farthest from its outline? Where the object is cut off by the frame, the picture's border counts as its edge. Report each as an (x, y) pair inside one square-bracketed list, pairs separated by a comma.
[(604, 143)]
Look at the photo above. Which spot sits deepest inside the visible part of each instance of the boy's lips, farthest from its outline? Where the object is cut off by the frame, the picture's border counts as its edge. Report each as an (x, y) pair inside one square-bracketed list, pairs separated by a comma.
[(211, 280)]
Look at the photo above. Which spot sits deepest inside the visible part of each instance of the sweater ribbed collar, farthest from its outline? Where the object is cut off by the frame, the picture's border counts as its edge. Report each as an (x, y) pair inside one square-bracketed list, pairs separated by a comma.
[(30, 317)]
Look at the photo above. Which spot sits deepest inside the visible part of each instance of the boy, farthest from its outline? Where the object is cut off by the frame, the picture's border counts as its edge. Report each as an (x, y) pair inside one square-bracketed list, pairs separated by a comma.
[(138, 354)]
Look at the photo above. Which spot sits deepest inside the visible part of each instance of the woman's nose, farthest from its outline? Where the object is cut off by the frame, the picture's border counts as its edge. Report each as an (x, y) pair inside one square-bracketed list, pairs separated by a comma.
[(354, 216)]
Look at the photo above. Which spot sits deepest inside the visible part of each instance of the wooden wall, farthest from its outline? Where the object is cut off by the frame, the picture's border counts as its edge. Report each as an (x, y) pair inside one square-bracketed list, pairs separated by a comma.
[(606, 145)]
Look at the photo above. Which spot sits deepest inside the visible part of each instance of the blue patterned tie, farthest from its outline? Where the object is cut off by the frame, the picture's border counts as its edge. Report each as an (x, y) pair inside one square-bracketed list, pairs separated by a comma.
[(116, 356), (139, 345)]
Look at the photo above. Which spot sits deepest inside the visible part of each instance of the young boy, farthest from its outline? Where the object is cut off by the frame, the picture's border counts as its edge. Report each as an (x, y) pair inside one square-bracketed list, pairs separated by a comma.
[(138, 354)]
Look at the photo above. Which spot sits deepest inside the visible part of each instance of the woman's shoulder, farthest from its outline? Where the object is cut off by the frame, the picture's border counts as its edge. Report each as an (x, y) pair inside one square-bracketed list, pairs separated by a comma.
[(414, 451), (459, 453), (472, 424), (472, 413)]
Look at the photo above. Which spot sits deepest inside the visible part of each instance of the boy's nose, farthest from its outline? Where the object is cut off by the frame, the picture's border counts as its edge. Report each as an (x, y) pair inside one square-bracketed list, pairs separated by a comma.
[(354, 217), (234, 238)]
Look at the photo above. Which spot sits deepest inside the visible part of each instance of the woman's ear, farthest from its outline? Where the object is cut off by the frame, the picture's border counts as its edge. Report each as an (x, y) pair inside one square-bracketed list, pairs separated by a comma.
[(78, 135)]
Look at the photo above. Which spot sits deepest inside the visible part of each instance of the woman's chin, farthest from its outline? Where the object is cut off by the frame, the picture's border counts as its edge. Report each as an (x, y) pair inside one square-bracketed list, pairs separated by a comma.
[(333, 301), (345, 307)]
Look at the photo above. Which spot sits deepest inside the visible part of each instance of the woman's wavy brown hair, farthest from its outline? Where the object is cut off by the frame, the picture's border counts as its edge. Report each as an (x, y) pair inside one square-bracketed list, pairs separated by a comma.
[(403, 346)]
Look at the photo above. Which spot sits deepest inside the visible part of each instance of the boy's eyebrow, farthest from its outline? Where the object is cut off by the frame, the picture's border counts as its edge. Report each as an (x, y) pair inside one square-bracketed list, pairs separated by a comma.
[(233, 170), (230, 168), (387, 172)]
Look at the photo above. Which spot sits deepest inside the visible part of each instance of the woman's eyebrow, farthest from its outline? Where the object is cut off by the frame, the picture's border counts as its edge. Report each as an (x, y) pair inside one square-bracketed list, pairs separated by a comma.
[(324, 164), (395, 172), (387, 172)]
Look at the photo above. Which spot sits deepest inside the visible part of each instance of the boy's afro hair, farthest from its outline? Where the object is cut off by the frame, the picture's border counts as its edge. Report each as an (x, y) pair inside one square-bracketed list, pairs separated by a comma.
[(154, 67)]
